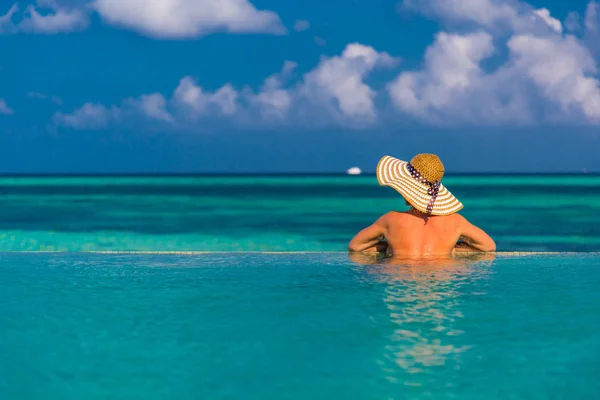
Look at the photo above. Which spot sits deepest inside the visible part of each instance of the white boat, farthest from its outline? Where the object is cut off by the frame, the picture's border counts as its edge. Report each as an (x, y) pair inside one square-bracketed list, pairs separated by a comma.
[(354, 171)]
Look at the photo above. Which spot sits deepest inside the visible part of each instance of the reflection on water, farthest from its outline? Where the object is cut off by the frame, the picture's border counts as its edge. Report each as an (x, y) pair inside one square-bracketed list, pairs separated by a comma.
[(422, 297)]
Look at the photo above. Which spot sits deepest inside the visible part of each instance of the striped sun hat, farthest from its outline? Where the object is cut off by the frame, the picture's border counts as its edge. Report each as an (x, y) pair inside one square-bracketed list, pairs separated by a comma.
[(419, 182)]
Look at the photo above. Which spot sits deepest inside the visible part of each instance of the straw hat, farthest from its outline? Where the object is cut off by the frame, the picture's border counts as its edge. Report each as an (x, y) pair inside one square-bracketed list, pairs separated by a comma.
[(419, 182)]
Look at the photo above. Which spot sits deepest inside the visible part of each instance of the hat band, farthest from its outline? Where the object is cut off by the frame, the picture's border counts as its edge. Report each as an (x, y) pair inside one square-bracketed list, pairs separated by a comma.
[(434, 187)]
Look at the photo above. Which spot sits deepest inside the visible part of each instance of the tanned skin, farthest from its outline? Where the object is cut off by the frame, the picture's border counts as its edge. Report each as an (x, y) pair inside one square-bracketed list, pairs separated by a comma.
[(414, 234)]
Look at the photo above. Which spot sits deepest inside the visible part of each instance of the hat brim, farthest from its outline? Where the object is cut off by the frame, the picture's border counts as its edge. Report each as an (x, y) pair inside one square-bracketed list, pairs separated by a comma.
[(394, 173)]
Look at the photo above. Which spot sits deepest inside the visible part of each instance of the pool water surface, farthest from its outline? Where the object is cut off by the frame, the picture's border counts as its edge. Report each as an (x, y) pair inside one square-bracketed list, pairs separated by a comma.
[(298, 326)]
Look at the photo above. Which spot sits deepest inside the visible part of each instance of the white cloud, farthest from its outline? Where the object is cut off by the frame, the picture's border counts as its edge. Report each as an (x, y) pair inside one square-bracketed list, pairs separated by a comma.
[(592, 28), (4, 108), (452, 69), (333, 92), (274, 101), (591, 16), (507, 63), (197, 102), (189, 103), (164, 19), (453, 87), (487, 13), (494, 15), (188, 18), (6, 24), (58, 21), (547, 76), (301, 25), (553, 23), (562, 69), (339, 81), (153, 106), (92, 116), (89, 116), (55, 19)]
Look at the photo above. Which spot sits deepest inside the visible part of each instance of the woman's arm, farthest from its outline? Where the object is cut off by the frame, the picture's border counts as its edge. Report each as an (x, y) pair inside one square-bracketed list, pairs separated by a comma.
[(370, 239), (380, 247), (462, 247), (476, 238)]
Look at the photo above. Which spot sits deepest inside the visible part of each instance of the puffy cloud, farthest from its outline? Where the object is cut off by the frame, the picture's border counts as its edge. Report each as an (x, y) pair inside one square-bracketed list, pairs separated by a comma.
[(166, 19), (189, 102), (89, 116), (301, 25), (487, 13), (274, 101), (592, 28), (562, 69), (452, 69), (547, 76), (153, 106), (510, 64), (57, 20), (553, 23), (4, 108), (6, 24), (197, 102), (494, 15), (339, 81), (591, 16), (335, 92), (188, 18)]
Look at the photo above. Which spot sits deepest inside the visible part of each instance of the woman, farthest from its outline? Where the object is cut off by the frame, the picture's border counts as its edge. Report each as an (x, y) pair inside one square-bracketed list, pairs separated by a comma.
[(432, 226)]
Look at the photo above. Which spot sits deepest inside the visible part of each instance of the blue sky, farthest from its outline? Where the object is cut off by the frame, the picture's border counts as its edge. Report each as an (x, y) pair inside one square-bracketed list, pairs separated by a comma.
[(160, 86)]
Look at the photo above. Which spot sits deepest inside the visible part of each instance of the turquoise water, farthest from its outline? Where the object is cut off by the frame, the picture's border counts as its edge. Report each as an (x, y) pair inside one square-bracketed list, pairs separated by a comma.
[(252, 326), (291, 326), (535, 213)]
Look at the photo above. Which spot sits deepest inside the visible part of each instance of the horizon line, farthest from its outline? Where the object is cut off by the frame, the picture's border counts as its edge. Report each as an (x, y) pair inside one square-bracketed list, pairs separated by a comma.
[(266, 174)]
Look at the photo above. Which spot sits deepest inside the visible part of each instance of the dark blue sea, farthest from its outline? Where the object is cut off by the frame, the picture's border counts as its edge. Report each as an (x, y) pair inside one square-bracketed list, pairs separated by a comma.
[(283, 213)]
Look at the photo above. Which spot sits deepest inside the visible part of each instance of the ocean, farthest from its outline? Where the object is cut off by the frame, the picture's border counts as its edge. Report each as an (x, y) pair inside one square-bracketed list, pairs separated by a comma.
[(278, 213)]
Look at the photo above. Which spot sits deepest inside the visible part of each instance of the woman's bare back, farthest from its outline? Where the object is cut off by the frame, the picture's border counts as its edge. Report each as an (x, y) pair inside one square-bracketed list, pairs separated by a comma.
[(412, 235)]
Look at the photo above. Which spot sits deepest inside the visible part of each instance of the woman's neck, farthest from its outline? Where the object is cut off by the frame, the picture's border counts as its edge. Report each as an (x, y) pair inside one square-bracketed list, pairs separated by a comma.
[(419, 214), (416, 212)]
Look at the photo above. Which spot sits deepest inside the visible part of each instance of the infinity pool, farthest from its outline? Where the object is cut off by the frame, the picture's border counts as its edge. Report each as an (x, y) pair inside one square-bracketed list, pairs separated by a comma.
[(298, 326)]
